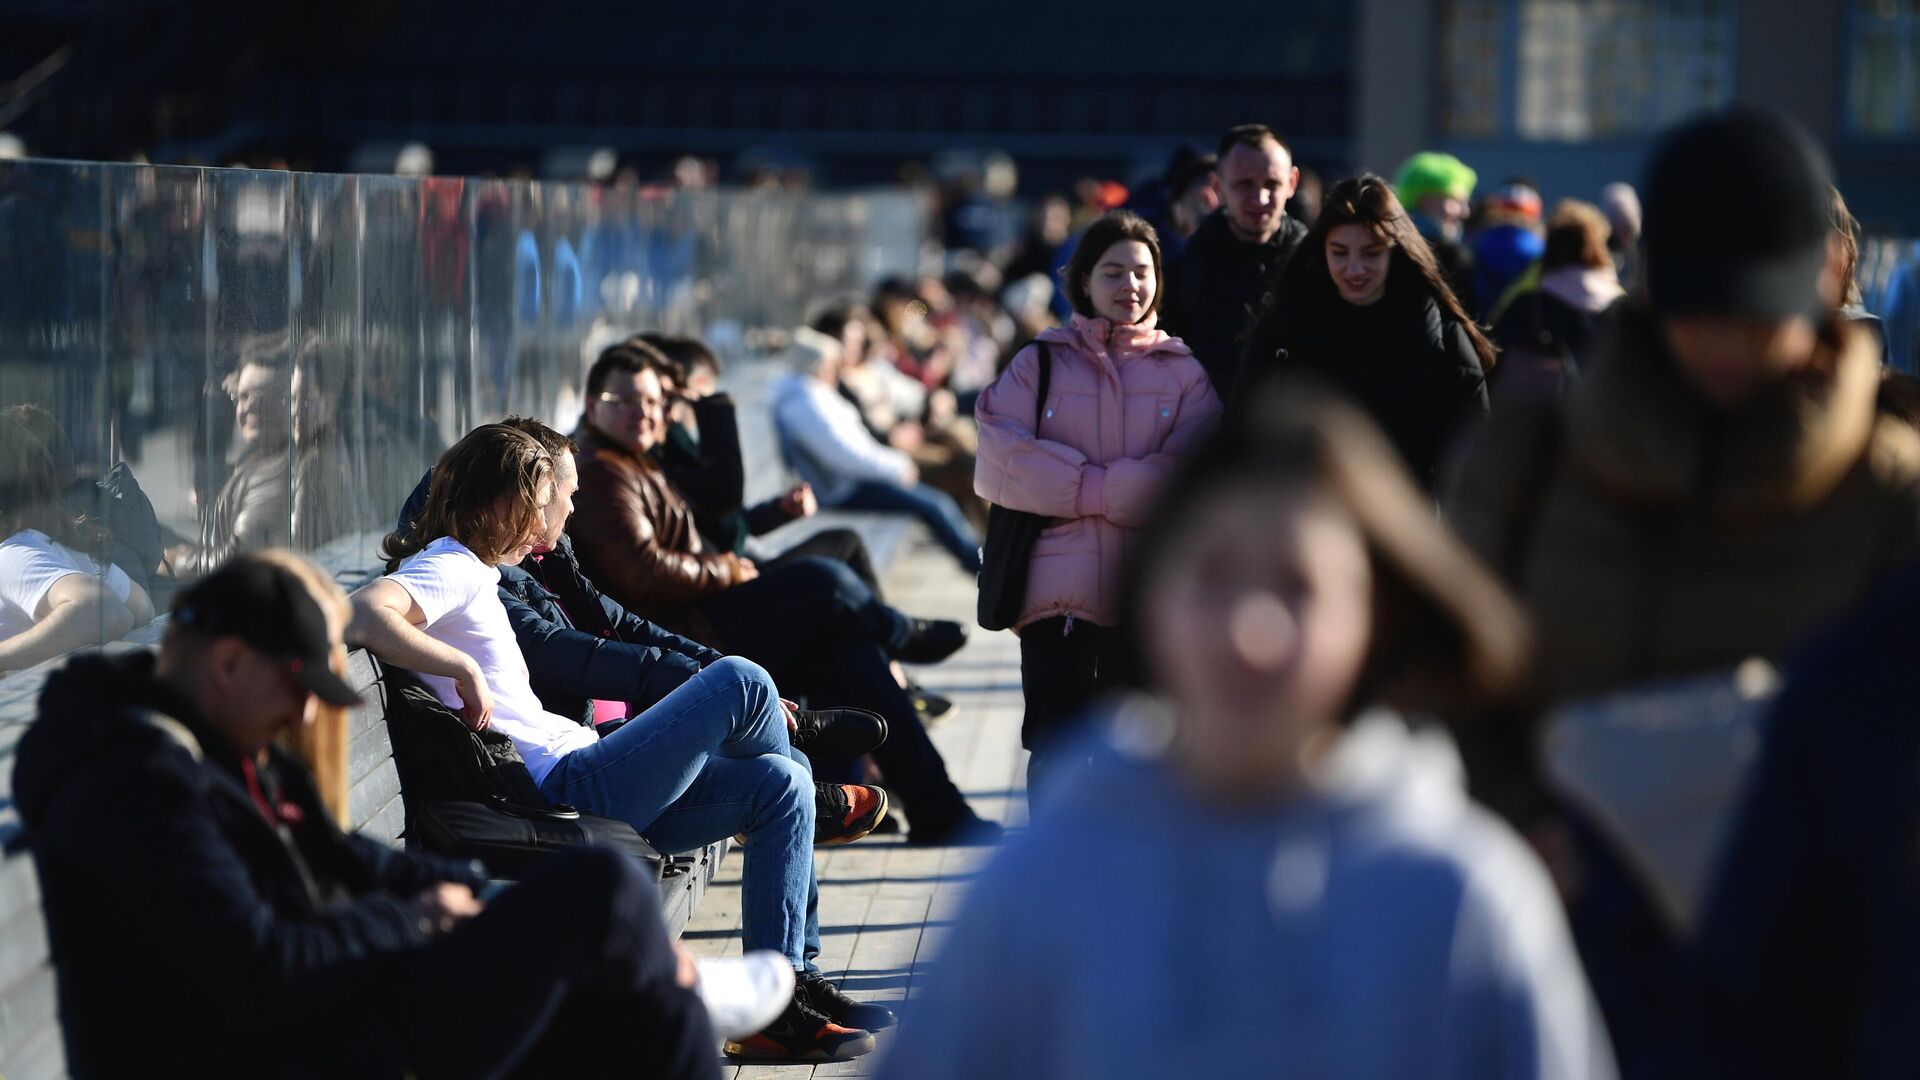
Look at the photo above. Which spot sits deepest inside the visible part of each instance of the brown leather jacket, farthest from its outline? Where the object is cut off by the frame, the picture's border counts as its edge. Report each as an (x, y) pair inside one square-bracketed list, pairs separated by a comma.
[(636, 539)]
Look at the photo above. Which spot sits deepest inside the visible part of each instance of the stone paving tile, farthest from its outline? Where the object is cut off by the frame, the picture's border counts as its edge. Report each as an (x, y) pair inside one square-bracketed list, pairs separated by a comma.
[(884, 905)]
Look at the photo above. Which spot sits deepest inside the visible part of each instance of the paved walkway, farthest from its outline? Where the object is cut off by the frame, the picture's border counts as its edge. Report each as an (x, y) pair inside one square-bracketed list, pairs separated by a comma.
[(883, 905)]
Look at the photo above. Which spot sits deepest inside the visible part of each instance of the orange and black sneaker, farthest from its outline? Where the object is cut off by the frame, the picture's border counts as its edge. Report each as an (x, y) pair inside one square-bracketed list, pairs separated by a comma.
[(802, 1034), (844, 813)]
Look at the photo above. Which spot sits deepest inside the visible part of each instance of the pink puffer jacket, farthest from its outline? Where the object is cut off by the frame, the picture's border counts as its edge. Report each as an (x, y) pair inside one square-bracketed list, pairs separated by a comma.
[(1124, 404)]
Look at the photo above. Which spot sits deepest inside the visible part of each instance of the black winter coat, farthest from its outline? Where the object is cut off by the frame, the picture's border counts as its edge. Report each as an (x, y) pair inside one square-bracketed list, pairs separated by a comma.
[(1214, 289), (191, 937), (1810, 949), (711, 475), (581, 645), (1412, 369)]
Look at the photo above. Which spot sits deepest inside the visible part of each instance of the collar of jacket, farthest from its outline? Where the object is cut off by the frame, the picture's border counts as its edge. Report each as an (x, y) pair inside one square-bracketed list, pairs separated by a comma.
[(1216, 233), (1102, 337), (1638, 431)]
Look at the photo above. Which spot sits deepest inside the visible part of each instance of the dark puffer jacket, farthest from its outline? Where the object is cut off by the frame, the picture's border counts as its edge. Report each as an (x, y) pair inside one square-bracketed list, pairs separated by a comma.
[(580, 645), (191, 937), (1402, 359), (1214, 289), (709, 472)]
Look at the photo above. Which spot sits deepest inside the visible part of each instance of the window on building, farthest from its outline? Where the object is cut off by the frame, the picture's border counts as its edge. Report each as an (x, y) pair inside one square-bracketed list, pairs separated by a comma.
[(1472, 60), (1572, 70), (1883, 91)]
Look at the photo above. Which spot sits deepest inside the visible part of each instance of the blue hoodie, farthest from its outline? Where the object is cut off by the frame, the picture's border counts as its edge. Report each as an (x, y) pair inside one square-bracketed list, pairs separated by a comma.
[(1383, 927)]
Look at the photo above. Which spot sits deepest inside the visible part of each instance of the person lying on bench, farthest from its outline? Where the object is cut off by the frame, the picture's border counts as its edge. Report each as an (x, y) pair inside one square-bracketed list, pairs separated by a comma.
[(209, 918), (669, 773)]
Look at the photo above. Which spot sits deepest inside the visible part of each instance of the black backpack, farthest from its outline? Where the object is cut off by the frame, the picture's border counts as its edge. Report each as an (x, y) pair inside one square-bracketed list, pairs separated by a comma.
[(1007, 552), (468, 794)]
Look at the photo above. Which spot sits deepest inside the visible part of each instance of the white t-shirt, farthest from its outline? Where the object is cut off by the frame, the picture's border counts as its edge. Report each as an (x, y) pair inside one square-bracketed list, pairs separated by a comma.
[(459, 595), (30, 563)]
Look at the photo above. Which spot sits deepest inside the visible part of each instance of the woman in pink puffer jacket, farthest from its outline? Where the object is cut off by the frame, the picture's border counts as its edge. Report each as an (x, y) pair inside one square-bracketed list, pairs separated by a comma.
[(1125, 402)]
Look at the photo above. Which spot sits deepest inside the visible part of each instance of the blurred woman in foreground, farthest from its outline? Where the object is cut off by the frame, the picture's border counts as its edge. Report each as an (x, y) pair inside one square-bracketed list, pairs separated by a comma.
[(1339, 908)]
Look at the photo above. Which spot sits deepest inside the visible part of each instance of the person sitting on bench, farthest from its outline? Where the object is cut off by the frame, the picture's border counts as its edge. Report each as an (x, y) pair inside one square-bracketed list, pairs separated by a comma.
[(438, 613), (209, 918)]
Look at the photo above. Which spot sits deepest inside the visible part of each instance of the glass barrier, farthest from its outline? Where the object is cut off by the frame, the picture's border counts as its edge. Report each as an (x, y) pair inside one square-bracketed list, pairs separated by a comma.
[(199, 361)]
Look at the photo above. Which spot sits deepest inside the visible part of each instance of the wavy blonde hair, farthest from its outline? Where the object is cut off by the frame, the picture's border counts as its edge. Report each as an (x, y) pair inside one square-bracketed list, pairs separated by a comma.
[(321, 743)]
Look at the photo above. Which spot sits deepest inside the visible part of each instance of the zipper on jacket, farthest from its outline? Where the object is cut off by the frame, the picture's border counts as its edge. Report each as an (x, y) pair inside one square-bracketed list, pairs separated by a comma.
[(1068, 628)]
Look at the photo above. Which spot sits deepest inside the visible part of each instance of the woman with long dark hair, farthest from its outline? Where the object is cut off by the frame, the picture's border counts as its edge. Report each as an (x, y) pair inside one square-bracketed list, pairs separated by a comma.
[(1363, 306)]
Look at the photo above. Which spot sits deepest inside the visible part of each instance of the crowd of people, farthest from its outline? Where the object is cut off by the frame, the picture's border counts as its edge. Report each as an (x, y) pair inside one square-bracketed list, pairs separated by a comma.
[(1501, 607)]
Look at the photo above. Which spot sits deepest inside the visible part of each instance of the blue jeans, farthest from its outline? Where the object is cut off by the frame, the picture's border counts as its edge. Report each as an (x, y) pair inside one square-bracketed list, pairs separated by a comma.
[(710, 760), (934, 507)]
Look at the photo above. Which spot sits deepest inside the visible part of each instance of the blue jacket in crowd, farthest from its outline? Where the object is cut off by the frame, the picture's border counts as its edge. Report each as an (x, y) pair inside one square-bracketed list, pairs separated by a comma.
[(1810, 952), (578, 643), (193, 937)]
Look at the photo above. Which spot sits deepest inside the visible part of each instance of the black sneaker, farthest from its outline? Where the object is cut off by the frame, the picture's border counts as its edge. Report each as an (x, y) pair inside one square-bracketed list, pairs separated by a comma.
[(929, 706), (931, 641), (838, 733), (844, 813), (802, 1034), (969, 830), (829, 1001)]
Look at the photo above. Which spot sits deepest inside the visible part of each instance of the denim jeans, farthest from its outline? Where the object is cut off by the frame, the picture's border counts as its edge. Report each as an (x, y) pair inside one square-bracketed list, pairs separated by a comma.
[(936, 508), (707, 762)]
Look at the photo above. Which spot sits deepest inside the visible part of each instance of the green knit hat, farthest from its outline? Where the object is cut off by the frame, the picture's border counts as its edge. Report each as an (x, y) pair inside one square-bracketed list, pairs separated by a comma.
[(1432, 173)]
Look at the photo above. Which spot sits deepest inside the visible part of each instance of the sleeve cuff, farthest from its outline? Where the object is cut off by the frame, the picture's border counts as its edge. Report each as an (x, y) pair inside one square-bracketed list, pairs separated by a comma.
[(1093, 492)]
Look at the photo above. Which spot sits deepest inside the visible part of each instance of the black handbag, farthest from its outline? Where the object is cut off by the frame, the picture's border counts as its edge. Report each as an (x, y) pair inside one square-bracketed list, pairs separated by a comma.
[(468, 793), (1008, 550), (507, 837)]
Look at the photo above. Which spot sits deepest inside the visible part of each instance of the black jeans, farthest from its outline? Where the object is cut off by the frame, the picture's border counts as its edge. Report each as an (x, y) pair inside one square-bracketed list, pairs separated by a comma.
[(568, 973), (837, 545), (1062, 671), (805, 596), (795, 622)]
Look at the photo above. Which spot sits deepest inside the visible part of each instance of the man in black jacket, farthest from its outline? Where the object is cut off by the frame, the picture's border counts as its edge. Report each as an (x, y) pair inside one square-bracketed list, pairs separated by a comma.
[(1215, 285), (209, 918)]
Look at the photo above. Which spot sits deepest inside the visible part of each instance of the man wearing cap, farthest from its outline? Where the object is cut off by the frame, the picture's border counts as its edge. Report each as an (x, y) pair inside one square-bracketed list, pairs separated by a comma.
[(1216, 283), (1718, 486), (208, 917)]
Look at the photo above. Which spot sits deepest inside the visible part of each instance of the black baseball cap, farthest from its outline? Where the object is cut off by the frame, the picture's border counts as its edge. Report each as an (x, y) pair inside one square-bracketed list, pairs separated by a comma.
[(270, 608), (1738, 215)]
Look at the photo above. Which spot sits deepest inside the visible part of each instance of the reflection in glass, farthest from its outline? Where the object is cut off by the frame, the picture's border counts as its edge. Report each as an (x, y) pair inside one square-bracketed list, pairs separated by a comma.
[(277, 357), (54, 596)]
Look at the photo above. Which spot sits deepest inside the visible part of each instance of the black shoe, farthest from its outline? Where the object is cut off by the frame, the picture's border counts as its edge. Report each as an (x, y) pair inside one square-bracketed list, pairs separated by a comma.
[(828, 1000), (929, 706), (844, 813), (838, 733), (802, 1033), (969, 830), (931, 641)]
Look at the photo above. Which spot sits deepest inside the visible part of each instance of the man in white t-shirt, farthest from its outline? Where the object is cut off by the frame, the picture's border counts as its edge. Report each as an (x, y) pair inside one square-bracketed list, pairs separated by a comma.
[(678, 777)]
